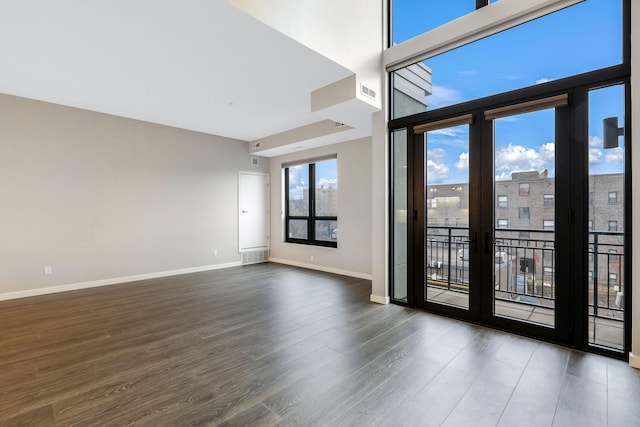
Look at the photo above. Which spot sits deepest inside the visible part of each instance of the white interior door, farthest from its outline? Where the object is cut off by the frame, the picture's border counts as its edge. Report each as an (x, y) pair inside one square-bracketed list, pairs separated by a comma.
[(253, 211)]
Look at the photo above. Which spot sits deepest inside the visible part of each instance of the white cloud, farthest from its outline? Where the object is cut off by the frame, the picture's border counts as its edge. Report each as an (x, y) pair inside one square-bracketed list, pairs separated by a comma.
[(444, 96), (456, 138), (436, 154), (517, 158), (467, 73), (543, 80), (328, 183), (511, 77), (615, 156), (447, 132), (504, 176), (548, 153), (463, 162), (436, 172), (297, 175), (595, 153), (510, 119)]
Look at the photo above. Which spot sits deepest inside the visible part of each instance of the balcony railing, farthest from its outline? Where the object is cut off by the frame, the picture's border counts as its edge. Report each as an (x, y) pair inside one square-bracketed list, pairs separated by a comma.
[(525, 264)]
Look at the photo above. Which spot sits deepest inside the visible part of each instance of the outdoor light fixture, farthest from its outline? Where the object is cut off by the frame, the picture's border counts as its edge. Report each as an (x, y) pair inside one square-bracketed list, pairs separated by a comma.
[(611, 132)]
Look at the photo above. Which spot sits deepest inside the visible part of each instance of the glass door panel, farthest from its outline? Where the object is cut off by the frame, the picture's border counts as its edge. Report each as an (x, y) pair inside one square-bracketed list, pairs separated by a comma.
[(524, 282), (447, 246), (606, 227), (400, 206)]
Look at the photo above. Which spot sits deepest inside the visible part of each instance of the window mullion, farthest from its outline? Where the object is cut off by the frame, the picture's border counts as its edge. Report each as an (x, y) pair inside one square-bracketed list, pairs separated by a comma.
[(312, 202), (286, 203)]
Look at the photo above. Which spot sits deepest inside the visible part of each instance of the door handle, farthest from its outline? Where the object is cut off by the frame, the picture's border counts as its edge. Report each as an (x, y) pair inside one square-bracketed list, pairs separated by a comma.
[(245, 211), (473, 243)]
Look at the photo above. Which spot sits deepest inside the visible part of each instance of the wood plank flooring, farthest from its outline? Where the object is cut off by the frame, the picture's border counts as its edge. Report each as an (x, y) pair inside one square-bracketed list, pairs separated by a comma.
[(273, 345)]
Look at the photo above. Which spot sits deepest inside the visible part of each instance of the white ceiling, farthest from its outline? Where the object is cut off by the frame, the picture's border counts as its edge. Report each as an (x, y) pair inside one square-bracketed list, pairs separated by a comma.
[(194, 64)]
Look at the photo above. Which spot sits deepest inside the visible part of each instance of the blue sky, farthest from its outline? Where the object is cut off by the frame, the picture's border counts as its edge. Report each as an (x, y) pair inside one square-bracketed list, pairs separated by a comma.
[(575, 40), (326, 175)]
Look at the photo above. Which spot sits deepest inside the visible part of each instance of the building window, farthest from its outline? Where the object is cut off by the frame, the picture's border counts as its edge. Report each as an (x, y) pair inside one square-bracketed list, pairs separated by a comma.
[(524, 189), (590, 225), (432, 204), (503, 202), (548, 224), (613, 225), (503, 223), (613, 277), (548, 200), (523, 213), (591, 197), (613, 197), (311, 215)]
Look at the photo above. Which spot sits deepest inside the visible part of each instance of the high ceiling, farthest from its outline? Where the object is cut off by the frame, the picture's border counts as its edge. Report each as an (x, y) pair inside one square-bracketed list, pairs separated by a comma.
[(194, 64)]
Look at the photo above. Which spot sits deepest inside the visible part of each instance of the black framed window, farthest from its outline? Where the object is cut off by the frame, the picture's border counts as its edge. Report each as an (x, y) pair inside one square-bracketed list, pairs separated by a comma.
[(311, 197), (503, 202)]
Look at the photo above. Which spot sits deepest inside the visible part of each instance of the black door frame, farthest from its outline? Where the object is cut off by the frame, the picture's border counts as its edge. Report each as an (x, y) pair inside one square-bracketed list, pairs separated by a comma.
[(571, 218)]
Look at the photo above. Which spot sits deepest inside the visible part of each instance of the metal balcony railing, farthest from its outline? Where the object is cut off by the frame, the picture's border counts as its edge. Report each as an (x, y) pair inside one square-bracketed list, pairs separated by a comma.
[(524, 265)]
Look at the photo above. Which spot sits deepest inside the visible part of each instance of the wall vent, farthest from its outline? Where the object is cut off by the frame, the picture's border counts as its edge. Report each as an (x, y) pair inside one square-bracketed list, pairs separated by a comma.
[(369, 92), (257, 145), (255, 161), (255, 256)]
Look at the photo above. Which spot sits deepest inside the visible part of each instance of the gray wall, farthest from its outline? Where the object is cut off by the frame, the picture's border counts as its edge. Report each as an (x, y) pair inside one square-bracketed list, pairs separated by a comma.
[(353, 254), (98, 197)]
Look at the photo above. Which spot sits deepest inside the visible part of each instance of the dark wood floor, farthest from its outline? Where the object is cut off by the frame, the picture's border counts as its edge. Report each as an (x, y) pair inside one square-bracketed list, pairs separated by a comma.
[(274, 345)]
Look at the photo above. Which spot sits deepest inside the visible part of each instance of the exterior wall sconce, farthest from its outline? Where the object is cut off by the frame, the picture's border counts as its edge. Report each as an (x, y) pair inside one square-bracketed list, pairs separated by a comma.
[(611, 132)]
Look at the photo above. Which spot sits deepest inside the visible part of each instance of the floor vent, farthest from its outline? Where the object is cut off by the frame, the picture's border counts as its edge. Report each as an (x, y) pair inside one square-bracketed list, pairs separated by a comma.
[(255, 256)]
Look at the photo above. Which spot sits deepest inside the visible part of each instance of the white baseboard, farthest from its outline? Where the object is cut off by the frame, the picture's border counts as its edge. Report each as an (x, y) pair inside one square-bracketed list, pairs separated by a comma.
[(634, 361), (379, 300), (321, 268), (113, 281)]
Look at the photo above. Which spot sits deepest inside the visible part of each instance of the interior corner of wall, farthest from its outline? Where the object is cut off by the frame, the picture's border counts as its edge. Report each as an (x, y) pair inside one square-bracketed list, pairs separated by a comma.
[(634, 361), (380, 299)]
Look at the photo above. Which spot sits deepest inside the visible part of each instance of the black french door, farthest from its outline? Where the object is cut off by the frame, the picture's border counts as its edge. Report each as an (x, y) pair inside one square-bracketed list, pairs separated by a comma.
[(500, 217)]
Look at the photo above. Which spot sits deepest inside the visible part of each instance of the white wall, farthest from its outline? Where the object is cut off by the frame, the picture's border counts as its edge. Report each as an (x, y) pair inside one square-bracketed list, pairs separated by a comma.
[(98, 197), (380, 204), (348, 32), (353, 254), (635, 160)]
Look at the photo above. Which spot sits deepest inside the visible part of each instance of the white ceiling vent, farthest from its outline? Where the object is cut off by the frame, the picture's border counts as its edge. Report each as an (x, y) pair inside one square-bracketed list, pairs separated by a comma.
[(368, 92)]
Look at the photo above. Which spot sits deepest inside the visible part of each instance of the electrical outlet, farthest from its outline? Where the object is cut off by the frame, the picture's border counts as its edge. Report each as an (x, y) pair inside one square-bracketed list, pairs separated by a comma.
[(48, 270)]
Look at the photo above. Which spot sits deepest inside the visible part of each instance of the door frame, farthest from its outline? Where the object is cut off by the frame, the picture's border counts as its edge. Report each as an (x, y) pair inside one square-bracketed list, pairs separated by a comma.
[(267, 177), (572, 306)]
